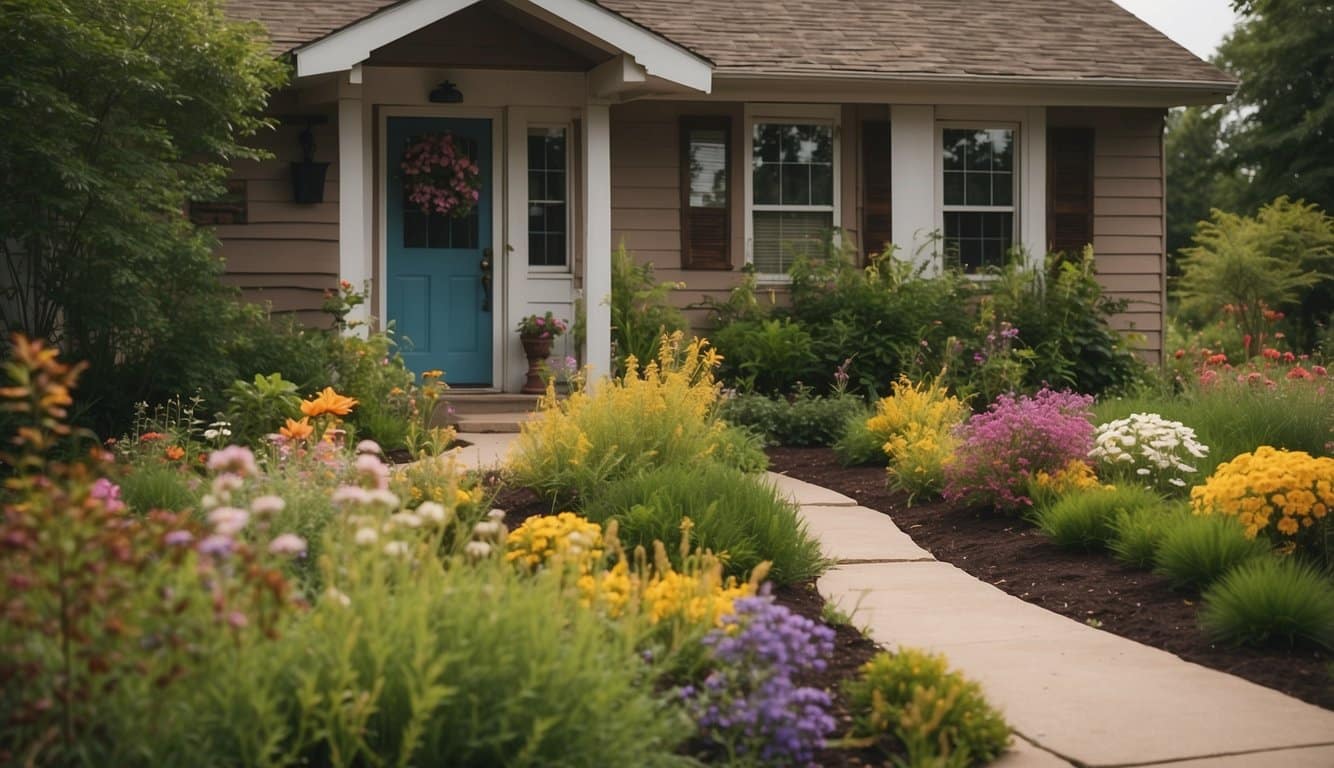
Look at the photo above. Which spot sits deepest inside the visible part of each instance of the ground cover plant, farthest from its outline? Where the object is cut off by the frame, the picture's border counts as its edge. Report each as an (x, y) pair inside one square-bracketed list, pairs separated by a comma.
[(799, 418)]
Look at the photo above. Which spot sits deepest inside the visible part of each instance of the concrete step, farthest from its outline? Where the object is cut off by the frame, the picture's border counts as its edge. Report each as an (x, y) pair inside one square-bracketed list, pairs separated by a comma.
[(494, 422), (465, 402)]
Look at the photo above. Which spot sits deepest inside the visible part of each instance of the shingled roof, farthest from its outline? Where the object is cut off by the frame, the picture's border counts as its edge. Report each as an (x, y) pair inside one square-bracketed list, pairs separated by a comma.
[(1059, 40)]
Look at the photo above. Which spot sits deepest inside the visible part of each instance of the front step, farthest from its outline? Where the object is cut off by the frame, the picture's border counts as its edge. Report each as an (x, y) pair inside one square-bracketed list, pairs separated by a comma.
[(495, 422), (467, 403)]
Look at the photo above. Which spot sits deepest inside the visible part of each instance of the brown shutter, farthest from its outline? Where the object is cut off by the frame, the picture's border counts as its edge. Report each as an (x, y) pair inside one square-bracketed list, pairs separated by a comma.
[(706, 224), (877, 203), (1069, 189)]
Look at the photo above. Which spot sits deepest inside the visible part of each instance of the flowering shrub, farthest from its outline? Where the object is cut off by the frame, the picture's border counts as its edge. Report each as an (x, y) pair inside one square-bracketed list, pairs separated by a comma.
[(440, 177), (1149, 448), (939, 716), (749, 706), (1287, 495), (567, 536), (1015, 438), (663, 414), (1046, 487), (917, 425)]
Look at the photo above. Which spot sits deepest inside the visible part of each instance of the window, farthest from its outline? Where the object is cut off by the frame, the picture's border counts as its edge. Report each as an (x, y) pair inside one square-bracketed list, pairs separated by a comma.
[(548, 191), (978, 197), (706, 211), (793, 196)]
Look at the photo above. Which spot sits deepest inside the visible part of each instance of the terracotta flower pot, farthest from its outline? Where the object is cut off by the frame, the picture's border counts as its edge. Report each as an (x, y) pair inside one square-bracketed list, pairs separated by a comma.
[(537, 350)]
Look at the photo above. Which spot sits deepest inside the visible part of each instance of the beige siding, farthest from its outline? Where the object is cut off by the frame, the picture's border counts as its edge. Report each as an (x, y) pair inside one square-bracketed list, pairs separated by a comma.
[(1128, 213), (286, 254)]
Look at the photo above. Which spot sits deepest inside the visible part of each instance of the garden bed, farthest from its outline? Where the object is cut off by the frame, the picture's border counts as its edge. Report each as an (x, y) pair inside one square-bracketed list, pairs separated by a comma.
[(1013, 556), (852, 649)]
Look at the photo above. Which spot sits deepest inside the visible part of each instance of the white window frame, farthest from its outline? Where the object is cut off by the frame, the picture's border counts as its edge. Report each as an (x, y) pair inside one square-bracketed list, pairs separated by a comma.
[(1017, 170), (548, 269), (829, 114)]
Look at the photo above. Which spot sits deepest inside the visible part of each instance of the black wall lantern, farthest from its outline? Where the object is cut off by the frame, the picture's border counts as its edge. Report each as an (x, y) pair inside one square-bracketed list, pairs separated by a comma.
[(308, 175), (446, 93)]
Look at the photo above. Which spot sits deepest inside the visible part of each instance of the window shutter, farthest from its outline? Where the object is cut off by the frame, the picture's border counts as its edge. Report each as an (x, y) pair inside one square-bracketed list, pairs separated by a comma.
[(706, 193), (1069, 189), (877, 208)]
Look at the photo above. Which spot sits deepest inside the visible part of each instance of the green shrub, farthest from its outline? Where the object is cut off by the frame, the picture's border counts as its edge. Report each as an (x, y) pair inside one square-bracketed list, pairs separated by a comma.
[(939, 716), (260, 408), (767, 356), (859, 446), (1200, 549), (1271, 600), (803, 420), (154, 485), (1085, 520), (641, 310), (1137, 533), (741, 518)]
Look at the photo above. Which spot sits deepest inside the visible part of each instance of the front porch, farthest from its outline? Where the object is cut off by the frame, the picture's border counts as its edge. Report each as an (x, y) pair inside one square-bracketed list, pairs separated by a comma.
[(529, 85)]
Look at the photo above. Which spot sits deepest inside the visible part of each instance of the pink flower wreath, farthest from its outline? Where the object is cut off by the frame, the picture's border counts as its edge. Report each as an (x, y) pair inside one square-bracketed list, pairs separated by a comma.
[(439, 176)]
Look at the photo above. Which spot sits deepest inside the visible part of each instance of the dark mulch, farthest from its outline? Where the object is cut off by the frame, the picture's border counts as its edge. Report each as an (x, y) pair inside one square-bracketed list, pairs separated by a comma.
[(851, 648), (1013, 556), (404, 456)]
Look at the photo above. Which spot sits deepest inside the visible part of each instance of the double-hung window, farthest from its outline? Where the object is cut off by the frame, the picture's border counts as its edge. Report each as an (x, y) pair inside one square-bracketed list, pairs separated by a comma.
[(979, 190), (548, 195), (793, 189)]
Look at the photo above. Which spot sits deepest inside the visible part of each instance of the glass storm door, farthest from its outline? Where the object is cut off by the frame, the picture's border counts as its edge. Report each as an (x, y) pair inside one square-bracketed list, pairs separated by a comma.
[(438, 266)]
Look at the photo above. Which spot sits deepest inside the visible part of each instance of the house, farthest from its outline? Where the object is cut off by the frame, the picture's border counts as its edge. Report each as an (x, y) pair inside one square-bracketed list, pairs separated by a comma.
[(705, 135)]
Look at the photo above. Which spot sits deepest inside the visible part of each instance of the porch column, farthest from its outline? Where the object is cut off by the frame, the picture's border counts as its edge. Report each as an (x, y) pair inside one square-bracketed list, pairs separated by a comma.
[(354, 259), (597, 237), (912, 187)]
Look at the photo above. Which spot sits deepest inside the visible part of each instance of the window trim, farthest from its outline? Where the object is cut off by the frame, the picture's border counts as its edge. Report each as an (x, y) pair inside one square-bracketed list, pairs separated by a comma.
[(685, 125), (830, 114), (1017, 170), (549, 269)]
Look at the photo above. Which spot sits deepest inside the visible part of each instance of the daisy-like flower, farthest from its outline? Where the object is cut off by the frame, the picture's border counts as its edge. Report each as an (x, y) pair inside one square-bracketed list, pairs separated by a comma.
[(297, 430), (433, 512), (268, 505), (288, 544), (234, 458), (228, 521), (328, 401)]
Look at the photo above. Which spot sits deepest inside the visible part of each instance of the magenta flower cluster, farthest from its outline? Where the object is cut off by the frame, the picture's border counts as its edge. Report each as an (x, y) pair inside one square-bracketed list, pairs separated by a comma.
[(1015, 438), (750, 704), (440, 178)]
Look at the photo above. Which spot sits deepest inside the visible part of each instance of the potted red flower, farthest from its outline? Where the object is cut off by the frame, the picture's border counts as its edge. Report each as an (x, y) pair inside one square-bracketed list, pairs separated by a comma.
[(536, 333)]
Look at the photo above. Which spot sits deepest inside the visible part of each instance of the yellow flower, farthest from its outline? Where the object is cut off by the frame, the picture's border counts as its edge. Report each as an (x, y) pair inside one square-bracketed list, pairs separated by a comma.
[(328, 401), (1280, 493), (434, 373)]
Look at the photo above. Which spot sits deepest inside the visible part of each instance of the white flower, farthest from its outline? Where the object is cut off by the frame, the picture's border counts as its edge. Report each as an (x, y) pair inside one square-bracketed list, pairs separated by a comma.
[(350, 495), (288, 544), (369, 446), (435, 513), (477, 550), (396, 548), (382, 498), (1143, 472), (406, 519), (366, 536), (337, 596), (1178, 482)]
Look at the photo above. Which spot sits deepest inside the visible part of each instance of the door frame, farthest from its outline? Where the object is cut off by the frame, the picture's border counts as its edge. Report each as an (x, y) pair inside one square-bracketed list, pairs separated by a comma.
[(499, 214)]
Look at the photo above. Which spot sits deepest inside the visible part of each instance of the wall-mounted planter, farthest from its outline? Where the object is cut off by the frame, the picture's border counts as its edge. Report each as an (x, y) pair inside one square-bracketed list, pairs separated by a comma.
[(308, 181)]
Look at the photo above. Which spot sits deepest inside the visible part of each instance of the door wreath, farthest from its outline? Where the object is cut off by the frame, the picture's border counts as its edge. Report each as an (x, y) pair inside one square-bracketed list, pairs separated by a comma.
[(440, 177)]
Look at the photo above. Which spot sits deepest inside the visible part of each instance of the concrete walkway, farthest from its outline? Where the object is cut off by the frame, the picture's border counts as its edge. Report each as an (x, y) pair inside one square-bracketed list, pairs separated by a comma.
[(1074, 695)]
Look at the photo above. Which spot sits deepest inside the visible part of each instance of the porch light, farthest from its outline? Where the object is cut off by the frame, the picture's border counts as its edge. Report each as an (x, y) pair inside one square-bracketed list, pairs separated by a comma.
[(446, 93), (308, 175)]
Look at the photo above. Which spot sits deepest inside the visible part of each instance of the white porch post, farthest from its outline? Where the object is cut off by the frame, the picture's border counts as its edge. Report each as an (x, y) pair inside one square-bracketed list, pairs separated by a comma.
[(597, 237), (913, 186), (354, 258), (1033, 186)]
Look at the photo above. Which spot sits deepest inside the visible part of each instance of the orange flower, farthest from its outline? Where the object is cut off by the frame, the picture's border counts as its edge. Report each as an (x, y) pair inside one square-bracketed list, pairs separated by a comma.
[(175, 452), (328, 401), (149, 437), (297, 430)]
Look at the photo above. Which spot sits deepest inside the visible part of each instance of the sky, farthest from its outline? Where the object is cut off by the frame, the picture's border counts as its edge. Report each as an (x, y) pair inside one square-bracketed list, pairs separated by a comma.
[(1199, 25)]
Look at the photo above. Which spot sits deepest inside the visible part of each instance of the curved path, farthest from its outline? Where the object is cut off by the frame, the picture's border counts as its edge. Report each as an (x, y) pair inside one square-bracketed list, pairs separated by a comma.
[(1074, 694)]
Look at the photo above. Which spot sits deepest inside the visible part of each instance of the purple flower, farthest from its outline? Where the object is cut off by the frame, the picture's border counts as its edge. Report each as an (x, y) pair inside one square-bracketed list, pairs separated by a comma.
[(217, 545), (178, 538)]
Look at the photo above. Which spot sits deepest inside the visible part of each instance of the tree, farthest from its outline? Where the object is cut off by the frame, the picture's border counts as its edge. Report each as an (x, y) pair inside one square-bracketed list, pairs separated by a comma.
[(117, 113), (1283, 52), (1199, 174)]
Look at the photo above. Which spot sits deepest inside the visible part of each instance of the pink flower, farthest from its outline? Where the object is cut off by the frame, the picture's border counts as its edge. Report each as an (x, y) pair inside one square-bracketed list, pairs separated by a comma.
[(288, 544)]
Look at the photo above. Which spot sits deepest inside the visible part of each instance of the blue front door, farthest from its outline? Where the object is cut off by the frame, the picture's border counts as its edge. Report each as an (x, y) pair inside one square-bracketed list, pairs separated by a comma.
[(439, 289)]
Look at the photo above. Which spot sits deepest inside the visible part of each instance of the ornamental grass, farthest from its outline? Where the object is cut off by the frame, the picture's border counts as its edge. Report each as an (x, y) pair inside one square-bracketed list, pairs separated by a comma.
[(1086, 520), (1271, 601), (661, 414)]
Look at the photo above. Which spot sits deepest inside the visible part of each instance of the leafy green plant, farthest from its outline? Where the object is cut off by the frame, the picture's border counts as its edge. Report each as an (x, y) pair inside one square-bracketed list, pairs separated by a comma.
[(260, 408), (1198, 550), (154, 485), (768, 356), (804, 419), (1271, 600), (641, 310), (1086, 520), (741, 518), (941, 718), (1137, 533), (858, 445)]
